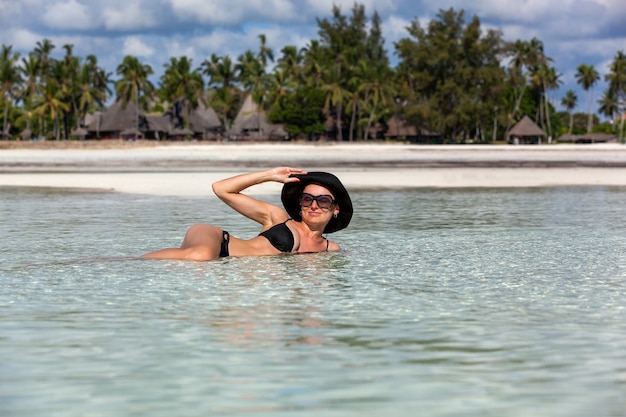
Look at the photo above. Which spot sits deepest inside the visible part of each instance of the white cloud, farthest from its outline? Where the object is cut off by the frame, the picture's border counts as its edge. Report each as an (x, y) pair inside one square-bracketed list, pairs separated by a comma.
[(229, 12), (129, 16), (23, 39), (394, 29), (67, 15), (323, 8), (133, 45), (220, 42), (179, 47)]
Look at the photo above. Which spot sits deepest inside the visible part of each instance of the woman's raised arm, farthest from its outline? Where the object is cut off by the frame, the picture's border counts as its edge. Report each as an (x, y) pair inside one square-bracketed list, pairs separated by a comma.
[(229, 191)]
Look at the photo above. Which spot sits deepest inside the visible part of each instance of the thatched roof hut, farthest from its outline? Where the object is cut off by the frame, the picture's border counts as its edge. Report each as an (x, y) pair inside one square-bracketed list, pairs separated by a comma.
[(526, 131), (588, 138), (131, 132), (202, 121), (120, 116), (399, 128), (127, 120), (26, 134), (252, 123), (79, 132)]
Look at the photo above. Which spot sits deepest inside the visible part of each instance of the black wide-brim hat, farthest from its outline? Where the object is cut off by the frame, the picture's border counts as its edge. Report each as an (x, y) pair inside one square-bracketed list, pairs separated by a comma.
[(292, 191)]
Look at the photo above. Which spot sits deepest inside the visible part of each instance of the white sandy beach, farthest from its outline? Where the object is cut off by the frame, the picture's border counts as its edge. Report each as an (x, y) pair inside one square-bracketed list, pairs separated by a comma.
[(189, 169)]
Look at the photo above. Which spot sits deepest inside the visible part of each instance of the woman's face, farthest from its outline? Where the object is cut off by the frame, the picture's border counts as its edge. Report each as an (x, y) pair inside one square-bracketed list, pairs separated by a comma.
[(311, 210)]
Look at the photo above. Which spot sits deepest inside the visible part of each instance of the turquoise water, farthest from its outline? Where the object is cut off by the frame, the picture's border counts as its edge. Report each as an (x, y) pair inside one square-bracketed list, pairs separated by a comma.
[(464, 302)]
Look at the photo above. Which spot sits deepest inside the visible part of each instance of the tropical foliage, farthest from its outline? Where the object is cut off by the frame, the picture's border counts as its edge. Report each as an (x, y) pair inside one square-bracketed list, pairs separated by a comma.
[(453, 77)]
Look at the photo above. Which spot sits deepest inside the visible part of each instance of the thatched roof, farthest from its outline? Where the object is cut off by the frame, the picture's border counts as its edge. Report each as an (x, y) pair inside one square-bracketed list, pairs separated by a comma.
[(252, 119), (131, 131), (181, 132), (525, 128), (588, 138), (26, 134), (245, 117), (203, 118), (126, 120), (92, 119), (398, 127), (79, 132), (200, 120), (157, 123), (119, 117)]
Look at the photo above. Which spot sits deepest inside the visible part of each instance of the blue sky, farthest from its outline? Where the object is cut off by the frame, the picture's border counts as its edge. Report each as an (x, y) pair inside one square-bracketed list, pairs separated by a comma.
[(574, 32)]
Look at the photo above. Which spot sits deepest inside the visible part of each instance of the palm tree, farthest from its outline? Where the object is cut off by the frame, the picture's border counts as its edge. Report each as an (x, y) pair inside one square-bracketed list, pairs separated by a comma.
[(42, 51), (90, 90), (68, 71), (569, 101), (30, 70), (94, 88), (10, 78), (279, 83), (30, 86), (313, 63), (528, 67), (336, 96), (587, 76), (617, 82), (550, 80), (379, 91), (134, 83), (609, 105), (180, 83), (354, 99), (290, 62), (220, 71), (222, 77), (100, 78), (521, 58), (51, 101), (247, 65), (265, 52)]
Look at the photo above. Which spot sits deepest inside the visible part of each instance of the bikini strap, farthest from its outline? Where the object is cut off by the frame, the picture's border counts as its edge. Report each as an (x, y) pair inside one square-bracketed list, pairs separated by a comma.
[(327, 243)]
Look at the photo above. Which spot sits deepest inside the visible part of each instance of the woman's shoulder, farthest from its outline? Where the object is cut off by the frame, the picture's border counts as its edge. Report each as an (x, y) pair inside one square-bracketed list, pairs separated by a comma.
[(333, 246)]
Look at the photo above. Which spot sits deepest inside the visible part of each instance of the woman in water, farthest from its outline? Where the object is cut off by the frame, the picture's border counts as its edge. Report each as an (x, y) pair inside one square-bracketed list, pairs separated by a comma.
[(315, 203)]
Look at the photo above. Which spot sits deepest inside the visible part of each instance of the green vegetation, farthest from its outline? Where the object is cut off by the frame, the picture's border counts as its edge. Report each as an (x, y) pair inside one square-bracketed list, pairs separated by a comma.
[(453, 77)]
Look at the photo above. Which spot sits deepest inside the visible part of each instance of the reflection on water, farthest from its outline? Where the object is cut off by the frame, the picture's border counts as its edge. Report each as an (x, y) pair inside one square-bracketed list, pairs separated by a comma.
[(453, 302)]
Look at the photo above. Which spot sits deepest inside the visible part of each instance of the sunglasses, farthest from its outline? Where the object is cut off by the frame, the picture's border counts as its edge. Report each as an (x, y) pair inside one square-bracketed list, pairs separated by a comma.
[(323, 201)]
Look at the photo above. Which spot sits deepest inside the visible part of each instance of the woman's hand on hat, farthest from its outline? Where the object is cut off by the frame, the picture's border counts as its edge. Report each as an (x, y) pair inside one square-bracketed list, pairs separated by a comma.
[(284, 174)]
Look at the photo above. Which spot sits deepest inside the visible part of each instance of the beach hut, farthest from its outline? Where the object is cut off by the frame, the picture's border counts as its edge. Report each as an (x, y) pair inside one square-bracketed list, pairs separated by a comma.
[(131, 133), (399, 128), (127, 120), (252, 123), (526, 132), (588, 138), (202, 121), (26, 134), (79, 132)]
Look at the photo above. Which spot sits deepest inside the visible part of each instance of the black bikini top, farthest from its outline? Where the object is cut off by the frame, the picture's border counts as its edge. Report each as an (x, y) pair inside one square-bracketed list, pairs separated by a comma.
[(280, 236)]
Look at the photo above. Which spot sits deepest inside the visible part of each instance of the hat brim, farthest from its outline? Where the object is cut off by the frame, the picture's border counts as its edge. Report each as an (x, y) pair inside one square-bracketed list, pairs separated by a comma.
[(292, 191)]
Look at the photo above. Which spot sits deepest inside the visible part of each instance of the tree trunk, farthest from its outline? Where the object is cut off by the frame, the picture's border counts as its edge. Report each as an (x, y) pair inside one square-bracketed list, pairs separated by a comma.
[(547, 111), (5, 131), (339, 132), (590, 114), (56, 127), (518, 103), (369, 121), (621, 127), (571, 123), (352, 121)]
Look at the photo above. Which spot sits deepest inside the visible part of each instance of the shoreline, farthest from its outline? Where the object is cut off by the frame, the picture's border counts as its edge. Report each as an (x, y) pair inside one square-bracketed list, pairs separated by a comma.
[(188, 169)]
